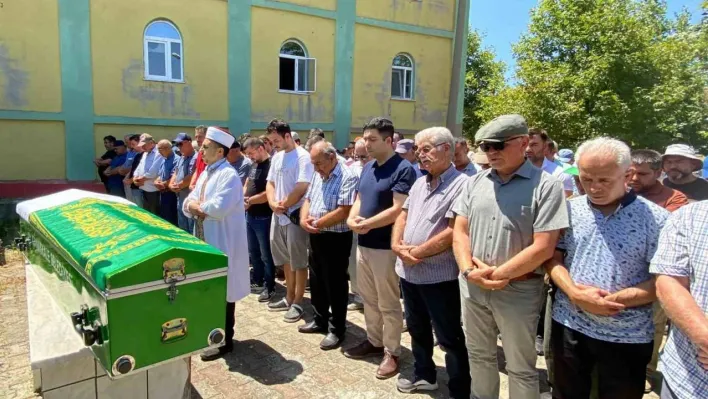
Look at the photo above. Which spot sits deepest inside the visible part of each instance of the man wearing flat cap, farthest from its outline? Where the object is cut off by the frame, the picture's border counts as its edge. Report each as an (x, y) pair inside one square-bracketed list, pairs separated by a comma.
[(680, 161), (217, 205), (500, 243)]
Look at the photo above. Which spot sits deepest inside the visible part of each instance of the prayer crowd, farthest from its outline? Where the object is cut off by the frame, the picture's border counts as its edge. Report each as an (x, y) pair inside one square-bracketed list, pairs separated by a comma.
[(581, 256)]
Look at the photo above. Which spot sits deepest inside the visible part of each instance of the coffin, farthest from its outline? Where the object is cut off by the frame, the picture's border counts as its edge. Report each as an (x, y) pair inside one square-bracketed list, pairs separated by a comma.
[(139, 291)]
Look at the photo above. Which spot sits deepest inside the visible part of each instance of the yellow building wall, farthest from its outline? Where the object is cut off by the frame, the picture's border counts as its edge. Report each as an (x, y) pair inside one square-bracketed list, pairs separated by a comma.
[(372, 78), (32, 150), (118, 70), (29, 56), (118, 131), (323, 4), (438, 14), (269, 30)]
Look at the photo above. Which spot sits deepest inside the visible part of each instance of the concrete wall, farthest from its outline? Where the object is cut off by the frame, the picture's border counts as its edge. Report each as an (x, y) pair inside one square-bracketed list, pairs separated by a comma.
[(71, 72)]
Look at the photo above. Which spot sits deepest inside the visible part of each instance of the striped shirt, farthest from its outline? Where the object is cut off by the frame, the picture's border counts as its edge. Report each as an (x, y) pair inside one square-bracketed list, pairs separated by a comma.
[(683, 252), (326, 195), (429, 213)]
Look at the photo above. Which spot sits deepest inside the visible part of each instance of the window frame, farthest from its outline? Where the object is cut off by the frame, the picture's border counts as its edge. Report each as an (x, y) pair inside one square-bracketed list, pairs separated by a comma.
[(297, 58), (167, 42), (403, 71)]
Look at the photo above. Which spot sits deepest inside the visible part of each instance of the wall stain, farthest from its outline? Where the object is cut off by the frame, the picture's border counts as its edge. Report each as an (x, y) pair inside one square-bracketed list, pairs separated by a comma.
[(14, 92), (300, 108), (163, 94)]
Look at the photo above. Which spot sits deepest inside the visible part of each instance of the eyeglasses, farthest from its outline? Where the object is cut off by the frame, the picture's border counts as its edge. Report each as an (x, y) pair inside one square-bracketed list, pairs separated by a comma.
[(496, 146), (360, 157), (425, 150)]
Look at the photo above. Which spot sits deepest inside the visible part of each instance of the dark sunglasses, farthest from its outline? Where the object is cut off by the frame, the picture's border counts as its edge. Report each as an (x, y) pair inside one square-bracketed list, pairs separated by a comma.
[(496, 146)]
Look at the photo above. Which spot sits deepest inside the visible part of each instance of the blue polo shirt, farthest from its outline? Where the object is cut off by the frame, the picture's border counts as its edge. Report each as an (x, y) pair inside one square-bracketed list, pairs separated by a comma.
[(377, 184), (167, 168), (116, 180), (612, 253)]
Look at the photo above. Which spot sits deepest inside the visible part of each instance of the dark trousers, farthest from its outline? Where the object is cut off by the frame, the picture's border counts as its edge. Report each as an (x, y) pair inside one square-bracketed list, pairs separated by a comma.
[(168, 206), (258, 236), (118, 191), (621, 367), (437, 306), (151, 202), (329, 260), (230, 321)]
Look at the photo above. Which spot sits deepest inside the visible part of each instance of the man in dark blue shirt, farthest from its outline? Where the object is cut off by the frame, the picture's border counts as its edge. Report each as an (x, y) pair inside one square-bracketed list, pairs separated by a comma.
[(113, 179), (168, 199), (382, 190)]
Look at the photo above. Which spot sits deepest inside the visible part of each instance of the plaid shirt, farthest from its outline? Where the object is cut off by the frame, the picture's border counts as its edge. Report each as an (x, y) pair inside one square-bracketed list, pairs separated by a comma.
[(339, 189), (683, 252)]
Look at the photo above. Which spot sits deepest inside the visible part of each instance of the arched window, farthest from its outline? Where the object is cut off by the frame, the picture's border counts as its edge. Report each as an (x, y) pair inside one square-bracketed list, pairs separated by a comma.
[(163, 52), (402, 77), (297, 70)]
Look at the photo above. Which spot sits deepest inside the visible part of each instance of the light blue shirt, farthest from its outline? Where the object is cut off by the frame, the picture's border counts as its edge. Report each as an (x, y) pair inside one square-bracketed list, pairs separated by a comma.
[(683, 252), (339, 189), (612, 253), (149, 167)]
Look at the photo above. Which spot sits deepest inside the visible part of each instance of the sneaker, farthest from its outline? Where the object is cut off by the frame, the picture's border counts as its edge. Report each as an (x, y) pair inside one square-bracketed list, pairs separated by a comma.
[(266, 295), (280, 306), (539, 345), (294, 314), (256, 288), (407, 386)]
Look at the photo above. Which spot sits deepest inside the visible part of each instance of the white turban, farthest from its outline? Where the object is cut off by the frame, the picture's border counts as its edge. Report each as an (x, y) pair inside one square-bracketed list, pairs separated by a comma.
[(220, 136)]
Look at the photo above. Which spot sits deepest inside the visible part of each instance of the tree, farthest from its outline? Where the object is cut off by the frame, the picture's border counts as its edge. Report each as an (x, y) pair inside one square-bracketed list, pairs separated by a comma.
[(610, 67), (484, 79)]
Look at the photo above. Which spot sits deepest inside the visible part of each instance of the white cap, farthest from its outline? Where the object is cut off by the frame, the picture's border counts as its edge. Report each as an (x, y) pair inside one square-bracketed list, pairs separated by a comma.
[(220, 136), (295, 136), (686, 151)]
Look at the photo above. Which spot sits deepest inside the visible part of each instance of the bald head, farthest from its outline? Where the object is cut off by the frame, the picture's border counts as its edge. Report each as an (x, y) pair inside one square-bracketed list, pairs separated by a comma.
[(323, 156), (164, 147)]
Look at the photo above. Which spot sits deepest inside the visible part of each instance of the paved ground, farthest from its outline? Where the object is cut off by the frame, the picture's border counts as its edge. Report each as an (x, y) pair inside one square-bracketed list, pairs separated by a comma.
[(270, 360)]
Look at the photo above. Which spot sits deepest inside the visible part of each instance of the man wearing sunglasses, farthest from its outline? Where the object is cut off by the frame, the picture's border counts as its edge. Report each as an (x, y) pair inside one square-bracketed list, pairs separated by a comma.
[(508, 221)]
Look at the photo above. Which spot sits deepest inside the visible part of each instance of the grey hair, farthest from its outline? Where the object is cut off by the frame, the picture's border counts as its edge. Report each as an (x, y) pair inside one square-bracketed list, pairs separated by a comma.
[(359, 143), (607, 146), (436, 135), (325, 147), (651, 157), (461, 140), (312, 141)]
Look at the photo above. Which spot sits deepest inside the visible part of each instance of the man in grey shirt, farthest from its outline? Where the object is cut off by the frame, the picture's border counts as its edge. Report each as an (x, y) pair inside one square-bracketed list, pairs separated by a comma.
[(422, 240), (508, 221)]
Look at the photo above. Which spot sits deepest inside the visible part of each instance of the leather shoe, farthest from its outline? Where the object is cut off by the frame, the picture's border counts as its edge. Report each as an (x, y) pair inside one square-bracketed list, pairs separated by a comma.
[(363, 350), (311, 328), (331, 341), (215, 353), (388, 367)]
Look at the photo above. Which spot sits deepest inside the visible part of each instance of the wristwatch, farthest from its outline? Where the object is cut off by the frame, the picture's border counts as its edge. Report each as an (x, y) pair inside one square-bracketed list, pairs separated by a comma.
[(467, 273)]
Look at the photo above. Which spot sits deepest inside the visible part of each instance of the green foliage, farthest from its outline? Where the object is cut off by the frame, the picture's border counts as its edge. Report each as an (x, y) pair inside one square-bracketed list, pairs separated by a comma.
[(621, 68), (484, 78)]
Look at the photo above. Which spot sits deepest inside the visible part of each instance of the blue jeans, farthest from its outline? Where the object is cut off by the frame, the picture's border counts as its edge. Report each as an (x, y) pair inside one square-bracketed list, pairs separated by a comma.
[(258, 233), (184, 223)]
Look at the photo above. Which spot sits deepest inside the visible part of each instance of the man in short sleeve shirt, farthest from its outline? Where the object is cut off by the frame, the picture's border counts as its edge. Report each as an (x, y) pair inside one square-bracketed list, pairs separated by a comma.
[(508, 221), (602, 314), (289, 177), (383, 188), (182, 177)]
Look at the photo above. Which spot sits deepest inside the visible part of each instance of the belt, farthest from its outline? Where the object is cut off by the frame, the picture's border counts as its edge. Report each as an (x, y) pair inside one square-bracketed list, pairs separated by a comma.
[(527, 276)]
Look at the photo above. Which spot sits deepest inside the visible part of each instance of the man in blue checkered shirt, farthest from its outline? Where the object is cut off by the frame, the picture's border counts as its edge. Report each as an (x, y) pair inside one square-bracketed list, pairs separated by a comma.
[(324, 215), (681, 266)]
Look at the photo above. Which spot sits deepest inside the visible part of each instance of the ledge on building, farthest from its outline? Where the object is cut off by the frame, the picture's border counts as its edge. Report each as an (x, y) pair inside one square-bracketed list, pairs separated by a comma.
[(26, 189)]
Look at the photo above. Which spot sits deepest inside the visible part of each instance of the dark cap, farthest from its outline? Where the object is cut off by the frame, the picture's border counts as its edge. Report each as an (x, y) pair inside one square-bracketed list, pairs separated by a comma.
[(181, 137), (236, 144), (119, 143), (502, 128)]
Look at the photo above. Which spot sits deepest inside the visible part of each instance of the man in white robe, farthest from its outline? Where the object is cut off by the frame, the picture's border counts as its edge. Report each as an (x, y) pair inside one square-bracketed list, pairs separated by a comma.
[(217, 205)]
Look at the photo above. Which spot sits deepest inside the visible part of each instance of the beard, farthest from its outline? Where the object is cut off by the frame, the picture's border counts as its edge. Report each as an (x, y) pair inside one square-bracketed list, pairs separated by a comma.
[(676, 174)]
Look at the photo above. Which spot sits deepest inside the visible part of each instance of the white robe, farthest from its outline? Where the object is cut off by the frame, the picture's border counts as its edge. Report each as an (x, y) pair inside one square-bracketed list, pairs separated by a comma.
[(225, 224)]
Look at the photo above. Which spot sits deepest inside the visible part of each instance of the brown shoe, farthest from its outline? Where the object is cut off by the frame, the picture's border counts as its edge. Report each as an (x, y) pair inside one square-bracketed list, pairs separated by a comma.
[(363, 350), (388, 367)]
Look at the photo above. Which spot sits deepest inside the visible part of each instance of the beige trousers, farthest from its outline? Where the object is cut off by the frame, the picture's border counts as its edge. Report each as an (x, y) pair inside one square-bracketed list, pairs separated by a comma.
[(352, 265), (378, 286), (660, 320)]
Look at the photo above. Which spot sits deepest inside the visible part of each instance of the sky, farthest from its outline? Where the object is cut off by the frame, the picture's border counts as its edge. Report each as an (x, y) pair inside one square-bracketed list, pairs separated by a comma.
[(502, 22)]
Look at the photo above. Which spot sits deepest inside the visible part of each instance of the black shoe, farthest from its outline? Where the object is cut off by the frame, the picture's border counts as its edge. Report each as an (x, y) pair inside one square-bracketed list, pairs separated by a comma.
[(330, 342), (215, 353), (266, 295), (311, 328)]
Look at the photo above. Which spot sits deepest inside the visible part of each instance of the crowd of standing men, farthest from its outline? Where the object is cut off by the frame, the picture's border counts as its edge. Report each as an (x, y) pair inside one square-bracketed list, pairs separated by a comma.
[(556, 252)]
